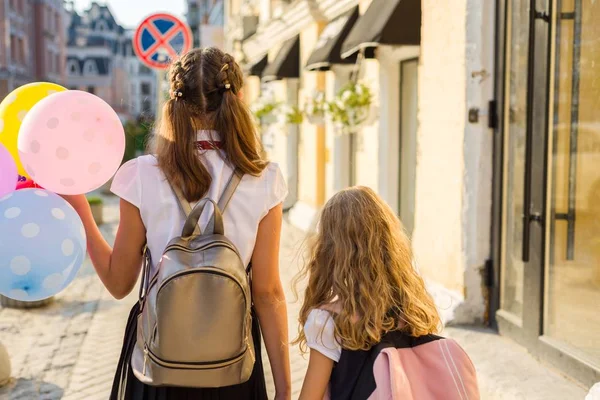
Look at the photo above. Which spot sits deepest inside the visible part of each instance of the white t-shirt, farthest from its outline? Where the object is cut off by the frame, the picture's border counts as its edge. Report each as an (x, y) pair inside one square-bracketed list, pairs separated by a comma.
[(319, 330), (142, 183)]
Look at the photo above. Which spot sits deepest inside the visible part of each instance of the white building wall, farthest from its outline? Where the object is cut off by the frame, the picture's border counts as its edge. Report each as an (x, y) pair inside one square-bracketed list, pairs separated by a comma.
[(453, 181)]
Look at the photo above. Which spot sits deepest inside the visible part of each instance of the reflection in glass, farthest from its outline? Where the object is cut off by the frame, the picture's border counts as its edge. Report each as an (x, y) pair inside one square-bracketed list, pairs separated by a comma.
[(516, 114), (573, 262)]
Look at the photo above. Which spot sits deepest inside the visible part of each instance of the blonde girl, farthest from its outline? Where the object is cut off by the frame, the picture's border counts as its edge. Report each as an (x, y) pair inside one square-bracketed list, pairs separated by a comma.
[(361, 285)]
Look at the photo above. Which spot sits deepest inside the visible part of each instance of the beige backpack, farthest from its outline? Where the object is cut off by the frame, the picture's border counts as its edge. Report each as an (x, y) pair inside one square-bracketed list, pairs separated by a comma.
[(194, 328)]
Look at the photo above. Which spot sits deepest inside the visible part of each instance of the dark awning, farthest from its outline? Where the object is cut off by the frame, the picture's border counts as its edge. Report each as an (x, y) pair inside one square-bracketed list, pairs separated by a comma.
[(257, 68), (392, 22), (328, 50), (287, 62)]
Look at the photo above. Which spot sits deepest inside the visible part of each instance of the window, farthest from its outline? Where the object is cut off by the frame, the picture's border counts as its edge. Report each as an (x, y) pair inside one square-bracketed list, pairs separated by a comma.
[(146, 105), (145, 70), (13, 49), (101, 26), (57, 63), (89, 68), (21, 51), (73, 67), (57, 23), (91, 89), (146, 90)]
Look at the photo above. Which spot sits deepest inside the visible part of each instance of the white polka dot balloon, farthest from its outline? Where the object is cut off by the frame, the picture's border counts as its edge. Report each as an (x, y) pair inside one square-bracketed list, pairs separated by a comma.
[(43, 244), (71, 142)]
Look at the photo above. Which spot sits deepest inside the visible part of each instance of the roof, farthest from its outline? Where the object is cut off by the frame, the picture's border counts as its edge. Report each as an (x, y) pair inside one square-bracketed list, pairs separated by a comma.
[(102, 63)]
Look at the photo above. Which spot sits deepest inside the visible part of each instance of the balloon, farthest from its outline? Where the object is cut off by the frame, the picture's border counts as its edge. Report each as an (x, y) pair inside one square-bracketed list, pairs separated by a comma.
[(72, 142), (25, 183), (8, 172), (43, 244), (13, 109)]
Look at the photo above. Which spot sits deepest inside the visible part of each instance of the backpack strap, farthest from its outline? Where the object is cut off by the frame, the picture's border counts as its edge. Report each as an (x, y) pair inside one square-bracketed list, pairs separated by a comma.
[(232, 185), (215, 224), (185, 206)]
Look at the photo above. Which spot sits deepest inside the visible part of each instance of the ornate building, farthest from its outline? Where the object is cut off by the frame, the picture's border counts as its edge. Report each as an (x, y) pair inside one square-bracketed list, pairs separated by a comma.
[(100, 60)]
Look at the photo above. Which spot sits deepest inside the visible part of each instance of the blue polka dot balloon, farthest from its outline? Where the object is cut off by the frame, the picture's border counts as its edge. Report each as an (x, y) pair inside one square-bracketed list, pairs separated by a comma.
[(42, 244)]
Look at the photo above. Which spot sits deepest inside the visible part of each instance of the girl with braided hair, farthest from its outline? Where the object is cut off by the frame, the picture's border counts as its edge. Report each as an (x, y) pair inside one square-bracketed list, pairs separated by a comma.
[(205, 134)]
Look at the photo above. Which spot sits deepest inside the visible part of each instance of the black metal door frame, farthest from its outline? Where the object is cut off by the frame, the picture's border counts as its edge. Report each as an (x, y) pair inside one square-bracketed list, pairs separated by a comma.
[(530, 332)]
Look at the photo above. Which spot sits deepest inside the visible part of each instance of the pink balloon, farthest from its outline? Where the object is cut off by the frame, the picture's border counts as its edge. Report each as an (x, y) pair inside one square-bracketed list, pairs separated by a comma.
[(71, 142), (8, 172)]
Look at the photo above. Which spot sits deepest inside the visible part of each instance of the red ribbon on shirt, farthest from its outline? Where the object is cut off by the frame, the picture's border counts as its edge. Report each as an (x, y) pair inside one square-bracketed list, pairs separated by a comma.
[(208, 145)]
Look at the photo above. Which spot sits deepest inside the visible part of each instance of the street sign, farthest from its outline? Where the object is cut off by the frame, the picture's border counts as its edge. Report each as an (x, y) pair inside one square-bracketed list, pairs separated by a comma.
[(161, 38)]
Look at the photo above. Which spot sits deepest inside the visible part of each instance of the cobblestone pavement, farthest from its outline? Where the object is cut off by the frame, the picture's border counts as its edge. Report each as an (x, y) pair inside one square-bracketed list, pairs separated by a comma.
[(69, 349)]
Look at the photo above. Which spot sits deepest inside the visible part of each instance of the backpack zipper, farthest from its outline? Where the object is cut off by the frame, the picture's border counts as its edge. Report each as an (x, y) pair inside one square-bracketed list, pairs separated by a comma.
[(154, 279), (189, 365), (207, 271), (208, 246)]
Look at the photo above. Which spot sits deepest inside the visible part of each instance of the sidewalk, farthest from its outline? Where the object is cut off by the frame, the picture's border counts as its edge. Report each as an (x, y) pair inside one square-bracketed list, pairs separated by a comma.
[(69, 350)]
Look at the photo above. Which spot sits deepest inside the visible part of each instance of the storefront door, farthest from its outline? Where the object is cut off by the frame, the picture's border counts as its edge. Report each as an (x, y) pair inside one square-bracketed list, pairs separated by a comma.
[(547, 173)]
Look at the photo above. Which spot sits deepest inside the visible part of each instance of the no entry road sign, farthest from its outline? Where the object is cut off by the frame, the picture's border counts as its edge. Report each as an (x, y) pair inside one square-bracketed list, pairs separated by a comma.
[(161, 38)]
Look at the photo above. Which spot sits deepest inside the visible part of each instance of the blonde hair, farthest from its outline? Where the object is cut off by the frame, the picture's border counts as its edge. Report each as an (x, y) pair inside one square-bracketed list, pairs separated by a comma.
[(361, 261)]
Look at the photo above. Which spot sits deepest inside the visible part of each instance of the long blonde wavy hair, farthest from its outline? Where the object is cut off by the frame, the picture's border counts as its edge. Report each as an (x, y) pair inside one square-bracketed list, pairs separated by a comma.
[(361, 265)]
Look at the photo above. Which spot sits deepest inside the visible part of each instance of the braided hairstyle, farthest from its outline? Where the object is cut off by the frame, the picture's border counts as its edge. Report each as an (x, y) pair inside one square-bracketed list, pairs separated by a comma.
[(205, 94)]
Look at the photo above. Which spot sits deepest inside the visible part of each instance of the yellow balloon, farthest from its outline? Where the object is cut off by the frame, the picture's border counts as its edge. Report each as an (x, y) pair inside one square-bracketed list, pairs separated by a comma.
[(13, 109)]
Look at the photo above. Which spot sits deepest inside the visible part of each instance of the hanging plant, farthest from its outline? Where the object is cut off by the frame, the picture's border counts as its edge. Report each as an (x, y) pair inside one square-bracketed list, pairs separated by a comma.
[(351, 107), (264, 110), (293, 115), (316, 107)]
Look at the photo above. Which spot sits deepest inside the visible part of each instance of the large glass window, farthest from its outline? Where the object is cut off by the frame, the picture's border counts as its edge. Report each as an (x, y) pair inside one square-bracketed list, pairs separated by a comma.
[(573, 253)]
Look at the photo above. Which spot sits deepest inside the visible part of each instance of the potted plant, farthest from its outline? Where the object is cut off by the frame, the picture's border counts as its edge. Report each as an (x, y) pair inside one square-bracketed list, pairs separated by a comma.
[(96, 204), (264, 111), (316, 107), (292, 115), (351, 107)]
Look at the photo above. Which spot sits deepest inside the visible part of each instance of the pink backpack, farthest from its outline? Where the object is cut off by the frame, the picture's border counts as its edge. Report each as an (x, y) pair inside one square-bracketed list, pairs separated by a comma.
[(406, 368)]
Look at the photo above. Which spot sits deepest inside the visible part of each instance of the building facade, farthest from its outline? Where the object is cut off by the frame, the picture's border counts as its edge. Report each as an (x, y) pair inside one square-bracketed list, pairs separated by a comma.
[(485, 155), (100, 60), (206, 19), (50, 40), (32, 45)]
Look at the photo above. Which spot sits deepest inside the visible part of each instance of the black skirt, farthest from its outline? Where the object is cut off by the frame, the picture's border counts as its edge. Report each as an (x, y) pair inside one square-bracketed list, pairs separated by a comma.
[(254, 389)]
